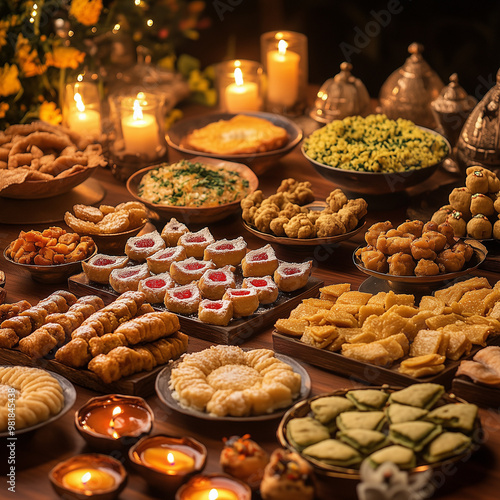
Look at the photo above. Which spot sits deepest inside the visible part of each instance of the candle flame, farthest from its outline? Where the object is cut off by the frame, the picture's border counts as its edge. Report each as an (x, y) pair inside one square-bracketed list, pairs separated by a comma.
[(170, 459), (137, 110), (86, 478), (282, 45), (116, 411), (213, 494), (79, 102), (238, 76)]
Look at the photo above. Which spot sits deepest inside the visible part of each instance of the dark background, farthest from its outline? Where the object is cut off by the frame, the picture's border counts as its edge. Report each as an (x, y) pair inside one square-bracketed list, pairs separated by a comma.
[(458, 36)]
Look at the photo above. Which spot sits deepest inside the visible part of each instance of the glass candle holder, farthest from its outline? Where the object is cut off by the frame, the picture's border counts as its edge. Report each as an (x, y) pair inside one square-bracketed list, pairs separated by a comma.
[(82, 109), (239, 85), (138, 132), (284, 57)]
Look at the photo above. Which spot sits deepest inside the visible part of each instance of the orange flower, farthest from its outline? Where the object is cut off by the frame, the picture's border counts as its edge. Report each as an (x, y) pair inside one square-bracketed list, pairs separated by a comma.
[(86, 12), (4, 107), (65, 57), (50, 113), (28, 59), (9, 80)]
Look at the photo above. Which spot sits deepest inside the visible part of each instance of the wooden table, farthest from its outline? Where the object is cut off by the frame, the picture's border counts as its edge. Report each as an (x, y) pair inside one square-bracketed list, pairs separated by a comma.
[(36, 454)]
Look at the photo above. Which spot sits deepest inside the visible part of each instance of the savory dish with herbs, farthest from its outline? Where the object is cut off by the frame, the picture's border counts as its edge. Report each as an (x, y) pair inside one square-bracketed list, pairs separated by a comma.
[(375, 144), (190, 184)]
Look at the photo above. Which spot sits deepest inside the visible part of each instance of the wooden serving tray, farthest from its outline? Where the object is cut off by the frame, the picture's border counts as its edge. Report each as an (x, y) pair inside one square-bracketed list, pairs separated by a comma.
[(237, 332), (139, 384), (372, 374), (480, 394)]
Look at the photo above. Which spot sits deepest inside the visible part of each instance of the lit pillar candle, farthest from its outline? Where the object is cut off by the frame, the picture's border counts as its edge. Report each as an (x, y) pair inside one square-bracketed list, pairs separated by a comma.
[(88, 480), (283, 75), (240, 95), (82, 120), (213, 494), (140, 132)]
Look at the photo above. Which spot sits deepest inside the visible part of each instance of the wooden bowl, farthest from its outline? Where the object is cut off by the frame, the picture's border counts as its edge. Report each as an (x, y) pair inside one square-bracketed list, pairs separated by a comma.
[(33, 190), (196, 215), (258, 162), (56, 273)]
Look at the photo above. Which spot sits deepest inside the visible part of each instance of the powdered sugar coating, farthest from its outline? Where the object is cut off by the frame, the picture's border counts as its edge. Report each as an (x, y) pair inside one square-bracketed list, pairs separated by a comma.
[(190, 269), (245, 300), (161, 261), (226, 252), (259, 262), (266, 288), (153, 288), (183, 299), (127, 278), (140, 247), (99, 267), (195, 243), (215, 282), (172, 231), (292, 276), (215, 312)]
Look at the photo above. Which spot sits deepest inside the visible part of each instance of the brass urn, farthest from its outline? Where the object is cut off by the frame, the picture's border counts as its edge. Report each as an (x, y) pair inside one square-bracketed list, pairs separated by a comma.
[(409, 91), (341, 96), (479, 141)]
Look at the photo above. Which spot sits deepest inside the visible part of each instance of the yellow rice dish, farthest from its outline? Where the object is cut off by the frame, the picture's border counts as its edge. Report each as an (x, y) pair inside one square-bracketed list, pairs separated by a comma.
[(375, 144), (192, 184)]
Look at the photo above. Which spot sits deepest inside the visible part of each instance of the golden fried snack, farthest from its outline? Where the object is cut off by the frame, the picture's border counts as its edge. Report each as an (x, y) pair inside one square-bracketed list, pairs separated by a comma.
[(39, 343), (336, 200), (441, 215), (452, 261), (296, 192), (426, 267), (123, 361), (8, 338), (479, 227), (300, 226), (423, 248), (375, 230), (394, 242), (329, 225), (88, 213), (446, 230), (401, 264), (38, 396), (373, 259), (414, 227), (9, 310), (75, 353)]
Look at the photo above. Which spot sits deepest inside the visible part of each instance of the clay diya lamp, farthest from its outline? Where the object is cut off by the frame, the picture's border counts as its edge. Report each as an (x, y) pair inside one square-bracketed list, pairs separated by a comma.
[(114, 421), (214, 487), (166, 462), (89, 477)]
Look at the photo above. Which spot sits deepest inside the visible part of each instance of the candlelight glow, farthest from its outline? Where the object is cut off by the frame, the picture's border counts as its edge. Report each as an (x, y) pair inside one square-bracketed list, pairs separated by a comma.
[(116, 411), (282, 45), (213, 494), (137, 110), (238, 76), (86, 477), (79, 102), (170, 459)]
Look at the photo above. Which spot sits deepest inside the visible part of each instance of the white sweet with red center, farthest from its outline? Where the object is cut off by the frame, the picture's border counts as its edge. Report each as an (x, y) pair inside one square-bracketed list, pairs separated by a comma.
[(188, 270), (266, 288), (226, 252), (215, 282), (128, 278), (263, 254), (140, 247), (245, 300), (259, 262), (154, 287), (292, 276), (172, 231), (215, 312), (183, 299), (99, 267), (161, 261), (195, 243)]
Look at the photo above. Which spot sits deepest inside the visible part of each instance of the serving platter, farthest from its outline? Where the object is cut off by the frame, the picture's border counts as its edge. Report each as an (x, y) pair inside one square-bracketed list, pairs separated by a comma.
[(238, 330), (69, 394), (483, 395), (165, 394), (303, 408)]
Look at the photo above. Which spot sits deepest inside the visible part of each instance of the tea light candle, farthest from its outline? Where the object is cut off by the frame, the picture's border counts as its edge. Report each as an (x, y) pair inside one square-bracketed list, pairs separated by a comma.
[(283, 75), (103, 421), (95, 476), (167, 462), (87, 479), (140, 131), (83, 120), (214, 487), (240, 95)]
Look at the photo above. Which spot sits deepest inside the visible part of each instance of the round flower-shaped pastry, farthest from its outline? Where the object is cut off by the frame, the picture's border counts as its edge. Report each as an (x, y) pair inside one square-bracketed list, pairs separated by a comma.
[(155, 287), (225, 380), (140, 247)]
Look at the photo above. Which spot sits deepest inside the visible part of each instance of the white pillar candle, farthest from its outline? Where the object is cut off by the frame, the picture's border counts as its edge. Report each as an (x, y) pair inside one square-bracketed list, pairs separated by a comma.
[(140, 132), (240, 95), (282, 75), (84, 121)]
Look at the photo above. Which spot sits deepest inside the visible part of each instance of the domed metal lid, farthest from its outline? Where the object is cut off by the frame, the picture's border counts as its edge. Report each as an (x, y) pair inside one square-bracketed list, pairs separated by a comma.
[(453, 98), (341, 96)]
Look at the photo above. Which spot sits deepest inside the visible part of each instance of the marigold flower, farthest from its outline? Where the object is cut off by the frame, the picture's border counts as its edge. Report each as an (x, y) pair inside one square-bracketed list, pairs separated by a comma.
[(9, 81), (4, 26), (28, 59), (4, 107), (65, 57), (50, 113), (86, 12)]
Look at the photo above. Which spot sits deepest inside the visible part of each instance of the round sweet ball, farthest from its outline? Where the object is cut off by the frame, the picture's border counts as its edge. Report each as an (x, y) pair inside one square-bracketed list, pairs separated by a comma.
[(479, 227)]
